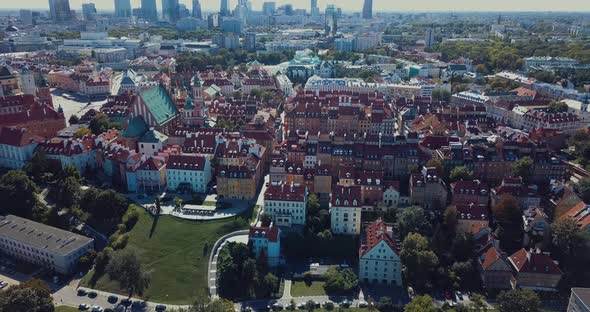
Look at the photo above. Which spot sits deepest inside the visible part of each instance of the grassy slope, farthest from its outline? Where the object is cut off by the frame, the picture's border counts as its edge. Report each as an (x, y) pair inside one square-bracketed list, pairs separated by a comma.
[(174, 256), (300, 289)]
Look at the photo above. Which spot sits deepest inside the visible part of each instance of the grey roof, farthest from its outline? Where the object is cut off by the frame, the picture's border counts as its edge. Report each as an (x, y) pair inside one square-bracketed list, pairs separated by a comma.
[(583, 294), (40, 235)]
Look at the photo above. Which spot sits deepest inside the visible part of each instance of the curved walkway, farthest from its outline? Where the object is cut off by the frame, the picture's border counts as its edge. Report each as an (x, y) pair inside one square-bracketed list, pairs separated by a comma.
[(212, 274)]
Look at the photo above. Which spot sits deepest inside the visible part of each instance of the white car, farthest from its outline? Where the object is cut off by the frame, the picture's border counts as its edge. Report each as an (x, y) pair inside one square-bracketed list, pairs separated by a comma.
[(96, 308), (363, 304), (3, 284)]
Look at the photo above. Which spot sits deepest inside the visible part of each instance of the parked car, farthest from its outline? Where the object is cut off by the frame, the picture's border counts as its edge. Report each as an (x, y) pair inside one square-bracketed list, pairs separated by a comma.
[(301, 306), (82, 292), (447, 295), (3, 284), (138, 304), (459, 295), (345, 303), (363, 304), (126, 302), (96, 308), (83, 306), (112, 299), (92, 294), (160, 307)]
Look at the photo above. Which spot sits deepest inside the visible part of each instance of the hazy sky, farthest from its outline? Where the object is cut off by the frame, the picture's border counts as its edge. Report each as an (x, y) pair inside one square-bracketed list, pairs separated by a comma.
[(356, 5)]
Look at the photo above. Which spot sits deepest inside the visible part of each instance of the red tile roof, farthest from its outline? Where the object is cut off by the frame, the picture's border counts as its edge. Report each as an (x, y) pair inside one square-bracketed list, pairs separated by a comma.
[(186, 162), (271, 233), (490, 257), (285, 192), (533, 262), (377, 232), (17, 137)]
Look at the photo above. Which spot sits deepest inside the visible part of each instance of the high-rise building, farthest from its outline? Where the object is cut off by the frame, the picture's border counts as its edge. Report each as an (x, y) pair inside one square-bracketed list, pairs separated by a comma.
[(368, 9), (59, 10), (331, 23), (288, 8), (231, 25), (89, 11), (123, 8), (26, 17), (197, 13), (314, 10), (269, 8), (429, 40), (250, 42), (149, 10), (224, 10), (170, 10), (183, 11)]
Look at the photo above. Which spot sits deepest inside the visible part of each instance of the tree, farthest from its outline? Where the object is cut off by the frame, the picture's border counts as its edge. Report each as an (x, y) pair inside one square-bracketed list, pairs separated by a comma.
[(450, 218), (99, 124), (583, 189), (462, 247), (68, 192), (411, 219), (38, 165), (478, 303), (82, 132), (419, 261), (523, 168), (126, 268), (507, 210), (340, 281), (460, 173), (567, 236), (73, 120), (438, 164), (17, 189), (265, 220), (220, 305), (557, 107), (518, 301), (31, 296), (420, 304), (481, 69)]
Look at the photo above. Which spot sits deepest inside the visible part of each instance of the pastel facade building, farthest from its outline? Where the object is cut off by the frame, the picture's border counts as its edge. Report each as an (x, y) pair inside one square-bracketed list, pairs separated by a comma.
[(188, 173), (286, 203), (346, 209), (379, 261)]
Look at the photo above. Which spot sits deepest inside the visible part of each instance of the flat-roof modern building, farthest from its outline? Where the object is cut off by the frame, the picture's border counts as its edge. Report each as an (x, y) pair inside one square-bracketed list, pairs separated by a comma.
[(579, 300), (41, 244)]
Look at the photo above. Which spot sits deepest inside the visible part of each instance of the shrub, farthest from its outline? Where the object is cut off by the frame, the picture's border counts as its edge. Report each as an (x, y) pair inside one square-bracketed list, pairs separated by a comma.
[(121, 242)]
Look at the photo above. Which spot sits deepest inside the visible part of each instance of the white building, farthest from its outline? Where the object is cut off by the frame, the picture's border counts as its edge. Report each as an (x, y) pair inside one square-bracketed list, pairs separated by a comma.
[(188, 173), (152, 142), (379, 261), (391, 195), (27, 80), (345, 210), (16, 147), (42, 245), (151, 175), (79, 153), (267, 240), (286, 203)]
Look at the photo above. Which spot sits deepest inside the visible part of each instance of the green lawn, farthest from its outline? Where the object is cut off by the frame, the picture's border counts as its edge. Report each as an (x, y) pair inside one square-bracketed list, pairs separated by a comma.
[(174, 257), (65, 309), (300, 289)]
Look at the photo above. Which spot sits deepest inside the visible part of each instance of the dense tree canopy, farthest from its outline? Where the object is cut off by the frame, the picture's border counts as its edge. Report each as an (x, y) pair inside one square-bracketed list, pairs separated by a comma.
[(518, 301), (340, 281), (126, 269), (17, 189), (418, 259), (31, 296)]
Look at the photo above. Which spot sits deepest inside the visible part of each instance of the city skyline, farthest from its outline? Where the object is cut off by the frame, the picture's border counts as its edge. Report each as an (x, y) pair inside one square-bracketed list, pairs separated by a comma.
[(349, 5)]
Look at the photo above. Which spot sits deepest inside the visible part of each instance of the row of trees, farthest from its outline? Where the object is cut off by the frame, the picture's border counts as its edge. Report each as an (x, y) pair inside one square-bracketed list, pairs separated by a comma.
[(243, 276), (226, 58), (509, 301)]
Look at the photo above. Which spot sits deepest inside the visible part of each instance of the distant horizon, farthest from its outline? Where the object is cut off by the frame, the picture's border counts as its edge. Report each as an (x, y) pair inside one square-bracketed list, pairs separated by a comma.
[(385, 6)]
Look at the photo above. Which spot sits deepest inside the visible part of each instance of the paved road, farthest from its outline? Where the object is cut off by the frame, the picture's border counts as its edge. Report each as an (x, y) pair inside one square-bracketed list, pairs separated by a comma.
[(258, 305), (68, 296)]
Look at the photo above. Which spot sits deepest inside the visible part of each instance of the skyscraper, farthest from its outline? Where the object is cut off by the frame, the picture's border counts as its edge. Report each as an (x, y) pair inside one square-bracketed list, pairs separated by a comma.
[(26, 17), (149, 10), (331, 23), (170, 10), (224, 10), (89, 11), (197, 9), (368, 9), (314, 10), (59, 10), (269, 8), (123, 8), (429, 39)]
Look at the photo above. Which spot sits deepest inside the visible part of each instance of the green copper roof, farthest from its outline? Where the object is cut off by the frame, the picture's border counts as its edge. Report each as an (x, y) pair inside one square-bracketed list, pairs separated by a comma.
[(159, 103), (153, 136), (188, 105), (135, 129)]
